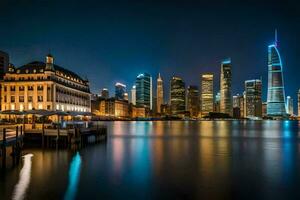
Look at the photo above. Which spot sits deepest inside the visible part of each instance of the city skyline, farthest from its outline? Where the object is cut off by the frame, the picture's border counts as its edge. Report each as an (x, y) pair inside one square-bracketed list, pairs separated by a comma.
[(187, 43)]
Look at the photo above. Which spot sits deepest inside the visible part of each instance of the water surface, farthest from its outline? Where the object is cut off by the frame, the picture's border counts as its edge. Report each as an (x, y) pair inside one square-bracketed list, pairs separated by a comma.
[(171, 160)]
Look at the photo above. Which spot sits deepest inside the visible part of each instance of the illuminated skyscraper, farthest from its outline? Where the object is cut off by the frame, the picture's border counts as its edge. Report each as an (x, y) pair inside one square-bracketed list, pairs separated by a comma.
[(133, 95), (289, 105), (104, 93), (177, 95), (238, 106), (143, 85), (120, 90), (253, 101), (193, 101), (299, 103), (217, 103), (225, 87), (276, 95), (207, 94), (159, 94)]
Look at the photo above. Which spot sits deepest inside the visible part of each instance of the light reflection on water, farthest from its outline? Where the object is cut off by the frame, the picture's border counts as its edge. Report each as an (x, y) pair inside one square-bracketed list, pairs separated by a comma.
[(24, 179), (178, 160), (74, 175)]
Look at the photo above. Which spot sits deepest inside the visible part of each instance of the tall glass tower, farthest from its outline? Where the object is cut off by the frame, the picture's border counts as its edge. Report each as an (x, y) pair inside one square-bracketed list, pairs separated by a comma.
[(276, 95), (177, 96), (143, 85), (225, 87)]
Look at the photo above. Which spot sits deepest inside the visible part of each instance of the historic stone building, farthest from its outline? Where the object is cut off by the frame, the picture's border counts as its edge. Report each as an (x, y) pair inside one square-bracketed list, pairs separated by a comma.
[(39, 85)]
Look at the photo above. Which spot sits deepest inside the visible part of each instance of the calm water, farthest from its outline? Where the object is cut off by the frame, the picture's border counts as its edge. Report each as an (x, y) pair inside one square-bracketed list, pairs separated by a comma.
[(168, 160)]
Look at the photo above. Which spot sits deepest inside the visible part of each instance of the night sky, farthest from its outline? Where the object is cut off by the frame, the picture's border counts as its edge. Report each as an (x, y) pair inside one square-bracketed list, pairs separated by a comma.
[(113, 41)]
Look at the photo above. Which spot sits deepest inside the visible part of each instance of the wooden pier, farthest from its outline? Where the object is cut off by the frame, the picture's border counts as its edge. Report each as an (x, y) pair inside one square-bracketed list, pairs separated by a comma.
[(11, 137), (65, 138), (19, 136)]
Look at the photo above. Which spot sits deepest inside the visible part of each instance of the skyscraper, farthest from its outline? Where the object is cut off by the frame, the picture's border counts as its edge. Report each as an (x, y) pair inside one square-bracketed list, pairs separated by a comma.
[(133, 95), (225, 87), (253, 91), (159, 94), (120, 90), (177, 96), (238, 106), (299, 103), (144, 90), (4, 62), (193, 101), (290, 105), (276, 95), (105, 93), (207, 94), (217, 103)]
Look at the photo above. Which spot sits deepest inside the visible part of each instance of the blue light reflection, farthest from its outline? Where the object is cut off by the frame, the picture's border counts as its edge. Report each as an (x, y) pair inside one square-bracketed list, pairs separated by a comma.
[(74, 175)]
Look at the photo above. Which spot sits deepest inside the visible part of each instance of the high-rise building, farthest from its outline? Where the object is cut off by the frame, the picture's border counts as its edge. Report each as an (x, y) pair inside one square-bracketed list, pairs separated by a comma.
[(104, 93), (133, 95), (120, 90), (177, 96), (159, 94), (4, 62), (144, 90), (276, 94), (193, 101), (299, 103), (207, 94), (253, 101), (225, 87), (290, 105), (264, 109), (126, 96), (238, 106), (217, 103)]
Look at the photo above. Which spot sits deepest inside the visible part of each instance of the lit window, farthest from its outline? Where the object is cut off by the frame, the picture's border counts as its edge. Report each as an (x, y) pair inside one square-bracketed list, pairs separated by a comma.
[(40, 106)]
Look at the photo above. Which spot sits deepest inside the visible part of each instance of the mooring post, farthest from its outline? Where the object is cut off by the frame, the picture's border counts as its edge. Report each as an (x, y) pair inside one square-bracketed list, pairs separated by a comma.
[(4, 148), (43, 132)]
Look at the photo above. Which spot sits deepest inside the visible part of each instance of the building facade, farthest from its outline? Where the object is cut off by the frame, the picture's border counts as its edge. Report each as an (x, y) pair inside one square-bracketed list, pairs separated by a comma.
[(104, 93), (4, 62), (39, 85), (276, 94), (144, 91), (177, 96), (193, 101), (159, 93), (238, 106), (113, 107), (225, 87), (217, 103), (289, 106), (207, 94), (299, 103), (253, 101), (133, 95), (120, 90)]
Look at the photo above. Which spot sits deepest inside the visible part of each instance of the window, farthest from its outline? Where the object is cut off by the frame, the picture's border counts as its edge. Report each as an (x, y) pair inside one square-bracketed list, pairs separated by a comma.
[(40, 87), (40, 98), (12, 88), (30, 87), (21, 98), (12, 99), (5, 99), (29, 98), (21, 88), (5, 88)]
